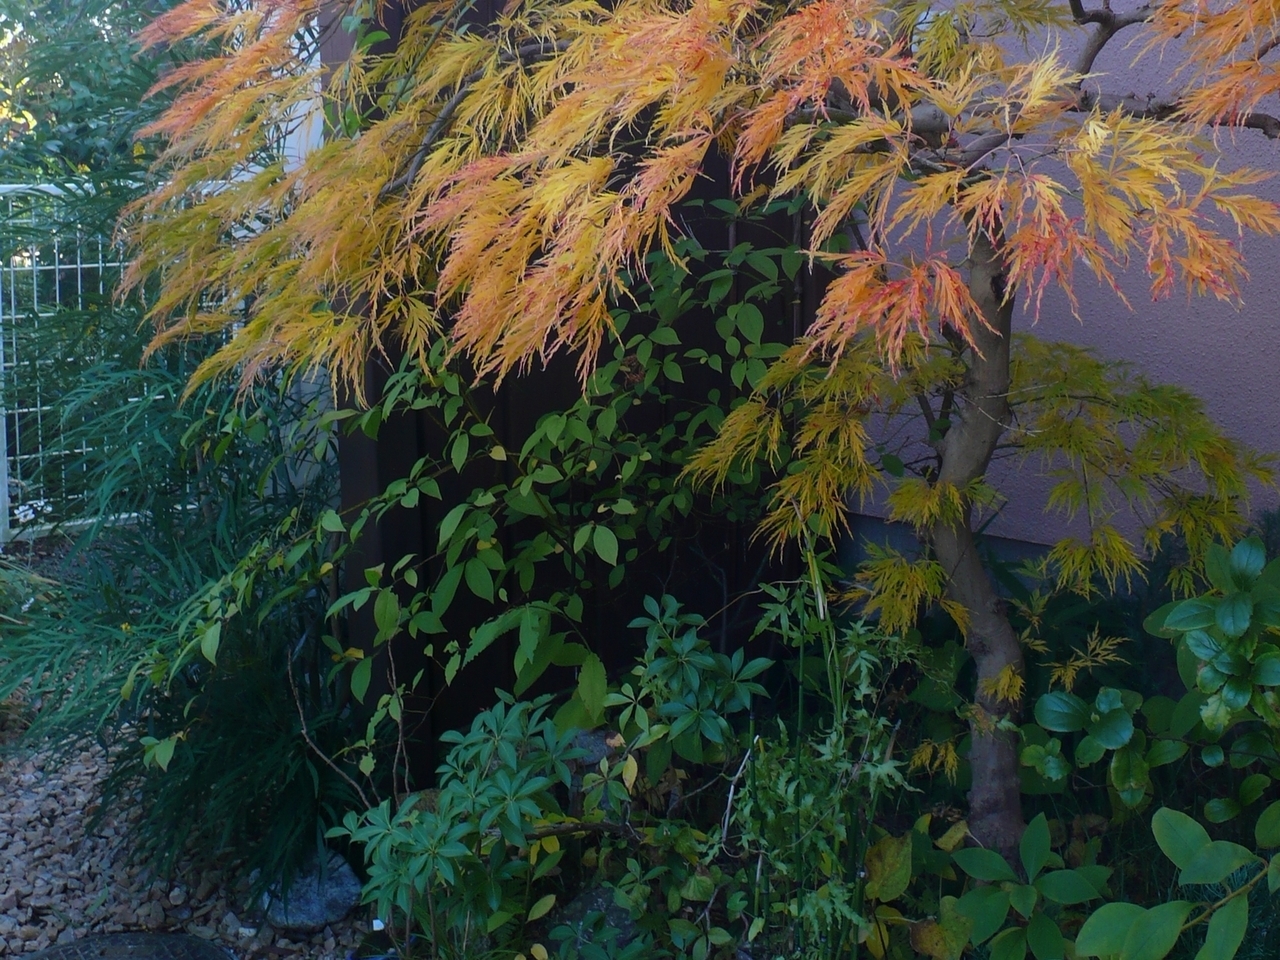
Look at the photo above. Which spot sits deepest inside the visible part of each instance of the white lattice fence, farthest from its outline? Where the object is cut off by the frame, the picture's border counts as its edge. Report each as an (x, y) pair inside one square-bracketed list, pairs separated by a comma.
[(52, 275)]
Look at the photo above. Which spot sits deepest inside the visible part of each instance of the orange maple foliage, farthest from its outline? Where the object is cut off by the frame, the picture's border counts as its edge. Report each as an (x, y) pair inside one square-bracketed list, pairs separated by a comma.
[(504, 182)]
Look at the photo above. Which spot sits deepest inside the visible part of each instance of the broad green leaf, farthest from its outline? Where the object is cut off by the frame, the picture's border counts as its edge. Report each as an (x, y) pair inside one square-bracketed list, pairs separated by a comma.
[(1267, 830), (541, 908), (1088, 751), (1273, 874), (1024, 898), (1180, 837), (360, 677), (1154, 934), (1165, 751), (1154, 624), (1216, 862), (1104, 933), (386, 613), (1221, 809), (1194, 614), (210, 640), (1215, 715), (1061, 712), (1248, 558), (1234, 613), (1113, 729), (1066, 887), (1034, 847), (1217, 568), (888, 866), (1227, 928), (1044, 938), (479, 579), (1252, 788), (986, 908), (1129, 775), (450, 523), (1266, 670), (606, 544), (983, 864), (330, 522), (1236, 693), (1009, 944), (592, 686), (1202, 645)]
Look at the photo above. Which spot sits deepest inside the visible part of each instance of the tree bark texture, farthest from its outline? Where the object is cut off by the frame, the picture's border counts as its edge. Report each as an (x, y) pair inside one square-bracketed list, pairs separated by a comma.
[(980, 418)]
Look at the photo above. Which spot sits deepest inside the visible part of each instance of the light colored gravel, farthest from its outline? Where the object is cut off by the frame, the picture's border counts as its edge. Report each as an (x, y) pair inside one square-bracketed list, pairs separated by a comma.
[(57, 883)]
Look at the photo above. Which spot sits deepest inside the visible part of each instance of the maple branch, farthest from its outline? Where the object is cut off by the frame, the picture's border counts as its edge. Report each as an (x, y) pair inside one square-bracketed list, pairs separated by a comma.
[(1109, 23), (1153, 108), (538, 49)]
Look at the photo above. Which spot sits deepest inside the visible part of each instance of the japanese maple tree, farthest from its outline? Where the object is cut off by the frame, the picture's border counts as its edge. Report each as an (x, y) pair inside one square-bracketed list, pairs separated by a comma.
[(499, 185)]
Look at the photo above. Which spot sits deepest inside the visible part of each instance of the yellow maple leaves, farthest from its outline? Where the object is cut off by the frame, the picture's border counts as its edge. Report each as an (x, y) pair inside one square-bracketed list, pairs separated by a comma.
[(509, 178)]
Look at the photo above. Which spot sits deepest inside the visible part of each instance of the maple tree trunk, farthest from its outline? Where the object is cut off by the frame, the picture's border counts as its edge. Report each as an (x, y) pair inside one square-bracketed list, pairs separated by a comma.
[(979, 420)]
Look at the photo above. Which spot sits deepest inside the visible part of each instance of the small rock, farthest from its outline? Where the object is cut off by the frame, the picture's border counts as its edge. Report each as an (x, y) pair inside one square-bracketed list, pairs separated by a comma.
[(316, 899), (28, 932), (178, 896)]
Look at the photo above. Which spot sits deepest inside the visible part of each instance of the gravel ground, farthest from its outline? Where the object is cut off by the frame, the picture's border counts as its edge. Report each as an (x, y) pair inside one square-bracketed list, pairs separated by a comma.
[(59, 883)]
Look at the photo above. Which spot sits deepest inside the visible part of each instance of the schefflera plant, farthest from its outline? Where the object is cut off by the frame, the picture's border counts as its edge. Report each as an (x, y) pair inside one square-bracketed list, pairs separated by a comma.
[(1220, 637)]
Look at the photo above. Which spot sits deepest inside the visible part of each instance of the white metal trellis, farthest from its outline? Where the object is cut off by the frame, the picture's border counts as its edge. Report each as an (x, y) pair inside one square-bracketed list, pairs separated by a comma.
[(48, 267)]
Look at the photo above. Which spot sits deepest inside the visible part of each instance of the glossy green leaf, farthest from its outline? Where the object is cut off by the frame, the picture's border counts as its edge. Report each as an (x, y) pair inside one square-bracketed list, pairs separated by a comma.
[(1024, 898), (479, 579), (1044, 938), (1034, 847), (1202, 645), (1234, 614), (1217, 568), (1104, 933), (1154, 934), (1194, 614), (1252, 788), (1089, 751), (1165, 751), (1216, 862), (1061, 712), (360, 677), (1266, 670), (1179, 836), (1212, 755), (1113, 729), (1227, 927), (592, 686), (606, 544), (1221, 809), (1129, 775), (1248, 559), (986, 908), (1267, 830), (1066, 887), (1154, 624), (983, 864), (1009, 944), (1273, 874), (1236, 693)]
